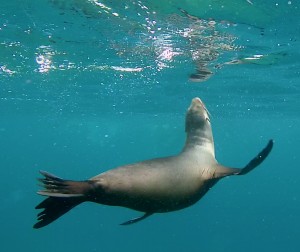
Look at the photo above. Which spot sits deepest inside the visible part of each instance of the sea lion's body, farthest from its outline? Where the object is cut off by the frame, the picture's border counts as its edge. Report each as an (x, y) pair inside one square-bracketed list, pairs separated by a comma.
[(164, 184), (152, 186)]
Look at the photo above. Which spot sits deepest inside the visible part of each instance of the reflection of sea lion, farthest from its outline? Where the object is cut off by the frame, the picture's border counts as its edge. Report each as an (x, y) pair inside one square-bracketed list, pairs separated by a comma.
[(202, 74), (153, 186)]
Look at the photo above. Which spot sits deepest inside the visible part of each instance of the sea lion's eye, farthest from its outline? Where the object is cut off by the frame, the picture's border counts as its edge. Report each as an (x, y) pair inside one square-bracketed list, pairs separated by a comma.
[(207, 119)]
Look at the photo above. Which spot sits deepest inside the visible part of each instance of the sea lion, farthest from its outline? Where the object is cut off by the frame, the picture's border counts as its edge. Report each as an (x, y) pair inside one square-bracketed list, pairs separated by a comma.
[(153, 186)]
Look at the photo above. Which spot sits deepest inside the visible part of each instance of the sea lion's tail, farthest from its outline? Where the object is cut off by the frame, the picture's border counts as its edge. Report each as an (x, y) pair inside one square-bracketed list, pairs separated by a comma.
[(63, 195)]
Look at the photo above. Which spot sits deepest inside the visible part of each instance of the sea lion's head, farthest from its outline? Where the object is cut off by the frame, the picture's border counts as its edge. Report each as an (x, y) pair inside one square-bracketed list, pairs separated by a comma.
[(197, 117)]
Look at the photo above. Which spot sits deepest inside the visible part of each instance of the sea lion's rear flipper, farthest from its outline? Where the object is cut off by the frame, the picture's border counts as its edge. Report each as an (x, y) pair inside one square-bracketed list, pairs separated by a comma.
[(135, 220), (54, 186), (53, 209), (223, 171), (63, 195)]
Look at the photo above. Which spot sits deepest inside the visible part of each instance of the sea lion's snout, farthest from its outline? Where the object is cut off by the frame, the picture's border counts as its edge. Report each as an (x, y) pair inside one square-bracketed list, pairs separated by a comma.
[(198, 105), (197, 115), (196, 100)]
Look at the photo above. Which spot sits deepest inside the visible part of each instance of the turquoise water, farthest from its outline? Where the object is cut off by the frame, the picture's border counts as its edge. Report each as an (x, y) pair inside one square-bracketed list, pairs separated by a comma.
[(89, 85)]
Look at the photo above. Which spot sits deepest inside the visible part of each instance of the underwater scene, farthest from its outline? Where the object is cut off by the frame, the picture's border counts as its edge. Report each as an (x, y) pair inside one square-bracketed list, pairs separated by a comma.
[(88, 85)]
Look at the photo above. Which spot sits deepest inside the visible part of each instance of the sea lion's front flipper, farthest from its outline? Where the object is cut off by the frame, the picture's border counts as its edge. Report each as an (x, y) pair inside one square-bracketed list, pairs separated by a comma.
[(223, 171), (135, 220), (258, 159)]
